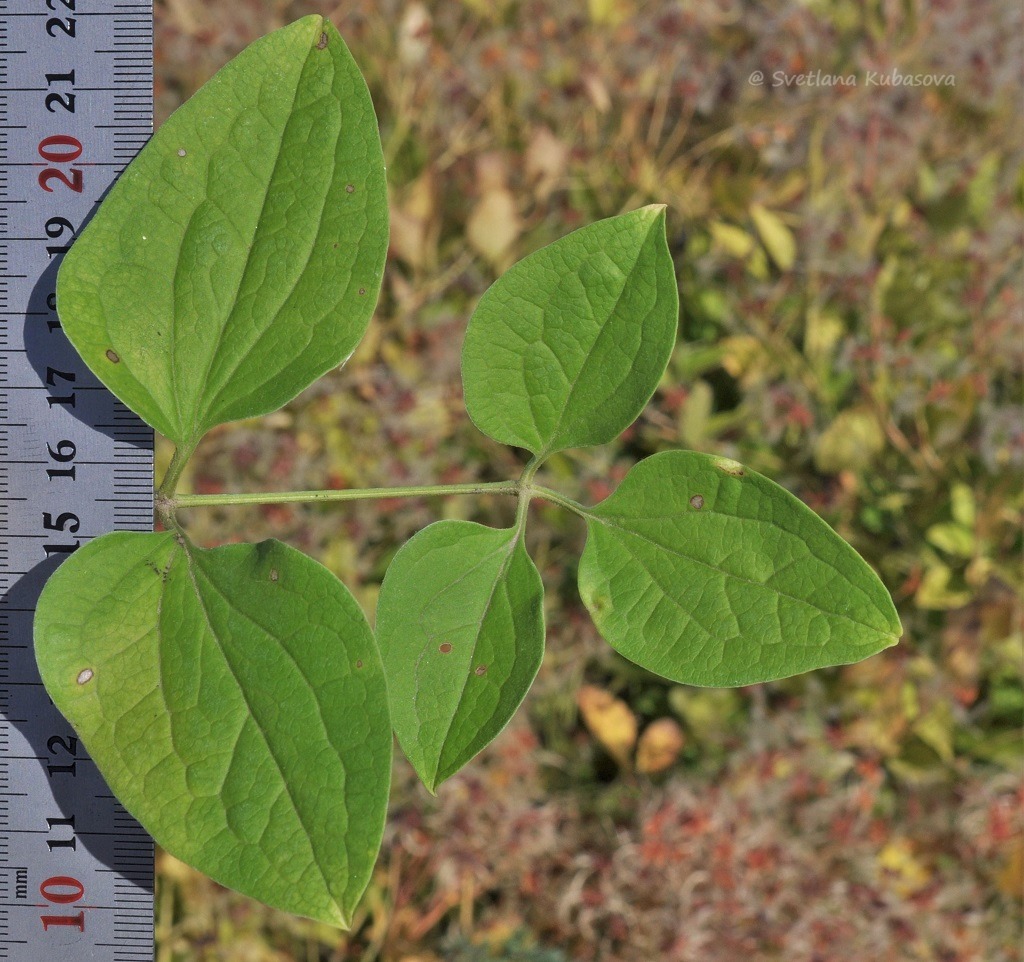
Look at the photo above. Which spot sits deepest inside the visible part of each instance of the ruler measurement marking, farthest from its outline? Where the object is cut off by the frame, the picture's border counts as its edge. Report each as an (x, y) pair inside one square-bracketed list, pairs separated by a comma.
[(114, 870)]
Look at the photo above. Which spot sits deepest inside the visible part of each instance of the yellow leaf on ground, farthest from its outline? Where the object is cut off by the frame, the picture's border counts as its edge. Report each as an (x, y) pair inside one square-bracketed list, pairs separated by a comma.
[(850, 443), (935, 593), (414, 35), (493, 225), (823, 331), (659, 747), (597, 91), (777, 238), (609, 12), (1010, 880), (901, 869), (734, 240), (961, 500), (935, 729), (952, 538), (610, 721), (546, 161), (414, 222)]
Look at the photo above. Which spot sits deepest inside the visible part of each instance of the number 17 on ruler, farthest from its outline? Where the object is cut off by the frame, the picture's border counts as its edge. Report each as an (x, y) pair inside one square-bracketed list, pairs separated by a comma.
[(76, 871)]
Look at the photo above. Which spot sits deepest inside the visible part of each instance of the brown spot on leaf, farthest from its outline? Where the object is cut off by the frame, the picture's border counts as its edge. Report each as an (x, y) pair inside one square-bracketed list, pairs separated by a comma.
[(445, 648), (697, 502), (480, 670), (85, 675), (359, 664), (350, 188), (181, 151), (113, 356), (729, 466), (322, 42), (362, 291), (273, 574)]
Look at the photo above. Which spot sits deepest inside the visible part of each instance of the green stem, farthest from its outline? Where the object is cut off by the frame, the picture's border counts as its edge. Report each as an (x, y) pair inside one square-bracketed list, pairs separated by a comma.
[(179, 459), (345, 494), (524, 489), (525, 492), (164, 501), (561, 500)]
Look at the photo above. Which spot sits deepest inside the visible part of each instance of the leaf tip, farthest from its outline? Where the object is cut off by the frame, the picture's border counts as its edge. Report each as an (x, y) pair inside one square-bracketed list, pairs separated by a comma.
[(336, 915), (430, 784), (430, 779), (651, 214), (893, 632)]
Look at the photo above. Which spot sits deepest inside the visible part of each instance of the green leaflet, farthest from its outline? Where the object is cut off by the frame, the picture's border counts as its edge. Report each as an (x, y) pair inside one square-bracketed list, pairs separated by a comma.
[(234, 699), (710, 574), (566, 348), (235, 703), (239, 257), (460, 624)]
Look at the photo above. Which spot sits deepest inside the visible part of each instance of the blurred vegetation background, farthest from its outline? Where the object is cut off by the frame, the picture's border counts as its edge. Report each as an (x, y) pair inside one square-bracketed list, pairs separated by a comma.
[(849, 260)]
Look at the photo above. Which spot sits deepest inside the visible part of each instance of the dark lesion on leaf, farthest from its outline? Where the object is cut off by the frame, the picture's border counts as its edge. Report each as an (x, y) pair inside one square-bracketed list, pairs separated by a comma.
[(322, 42), (697, 502), (445, 648), (113, 356)]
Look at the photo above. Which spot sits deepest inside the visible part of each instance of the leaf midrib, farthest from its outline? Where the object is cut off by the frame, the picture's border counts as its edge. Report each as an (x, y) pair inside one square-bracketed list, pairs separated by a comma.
[(211, 360), (478, 626), (548, 448), (270, 751), (506, 562), (739, 578)]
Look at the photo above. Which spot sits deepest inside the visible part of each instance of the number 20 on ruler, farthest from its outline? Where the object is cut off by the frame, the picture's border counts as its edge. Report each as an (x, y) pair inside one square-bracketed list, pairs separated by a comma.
[(58, 153)]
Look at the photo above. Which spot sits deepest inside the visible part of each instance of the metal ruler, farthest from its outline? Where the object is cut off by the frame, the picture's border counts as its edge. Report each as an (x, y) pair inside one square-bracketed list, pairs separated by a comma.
[(76, 871)]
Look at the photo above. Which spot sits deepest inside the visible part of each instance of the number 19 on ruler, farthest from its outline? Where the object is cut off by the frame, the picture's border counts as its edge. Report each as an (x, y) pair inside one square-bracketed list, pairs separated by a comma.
[(76, 871)]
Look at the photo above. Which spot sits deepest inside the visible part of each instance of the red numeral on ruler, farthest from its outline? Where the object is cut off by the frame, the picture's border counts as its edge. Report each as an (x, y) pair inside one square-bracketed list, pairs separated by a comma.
[(63, 890)]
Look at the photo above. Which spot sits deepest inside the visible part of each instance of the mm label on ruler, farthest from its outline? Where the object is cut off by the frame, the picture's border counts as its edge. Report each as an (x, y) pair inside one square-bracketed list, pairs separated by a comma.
[(76, 871)]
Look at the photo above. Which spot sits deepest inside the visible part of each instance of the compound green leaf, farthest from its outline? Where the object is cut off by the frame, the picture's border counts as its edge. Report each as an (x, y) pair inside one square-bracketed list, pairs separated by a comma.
[(566, 348), (460, 624), (235, 703), (710, 574), (239, 256)]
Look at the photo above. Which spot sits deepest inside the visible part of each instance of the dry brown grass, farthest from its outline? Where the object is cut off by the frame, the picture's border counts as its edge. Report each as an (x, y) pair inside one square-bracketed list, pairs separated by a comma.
[(872, 814)]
